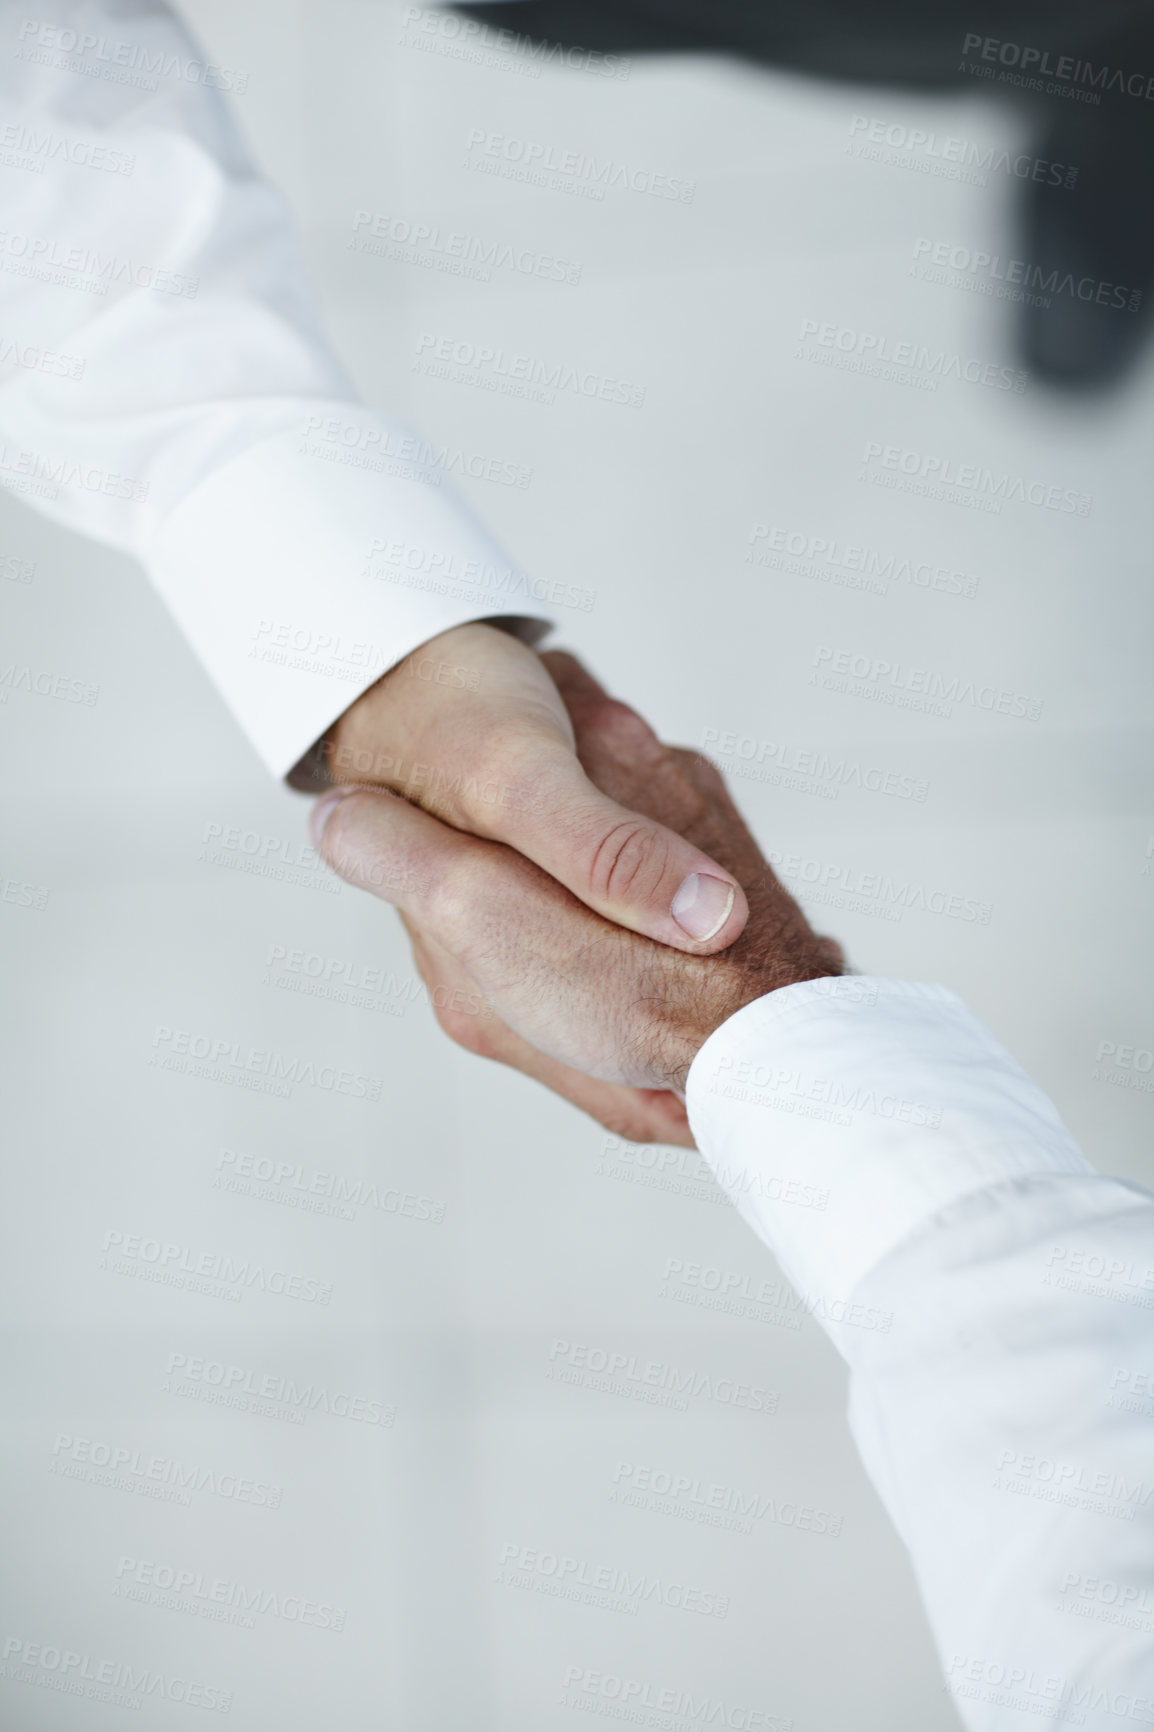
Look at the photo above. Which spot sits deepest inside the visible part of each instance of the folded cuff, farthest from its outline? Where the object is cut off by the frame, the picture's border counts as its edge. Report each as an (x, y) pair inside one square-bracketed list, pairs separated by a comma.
[(840, 1115), (307, 566)]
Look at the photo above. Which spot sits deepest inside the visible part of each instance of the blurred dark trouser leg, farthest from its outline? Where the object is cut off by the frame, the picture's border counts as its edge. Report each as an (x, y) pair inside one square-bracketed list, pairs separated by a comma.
[(1101, 232)]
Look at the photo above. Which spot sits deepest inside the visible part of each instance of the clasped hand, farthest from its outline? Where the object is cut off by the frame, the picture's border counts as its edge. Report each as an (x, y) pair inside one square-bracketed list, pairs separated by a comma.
[(555, 911)]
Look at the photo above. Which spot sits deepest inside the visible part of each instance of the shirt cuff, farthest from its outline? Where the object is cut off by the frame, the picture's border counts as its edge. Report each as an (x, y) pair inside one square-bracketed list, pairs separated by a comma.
[(307, 566), (841, 1114)]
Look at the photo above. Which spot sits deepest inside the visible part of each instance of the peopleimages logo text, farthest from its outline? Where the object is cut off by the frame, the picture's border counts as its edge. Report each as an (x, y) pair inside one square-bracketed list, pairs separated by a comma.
[(614, 1696), (860, 674), (175, 1259), (919, 358), (235, 1381), (424, 241), (944, 154), (1064, 68), (233, 1055), (218, 1596), (121, 1683), (1022, 273), (519, 375), (976, 478), (656, 1374), (828, 879), (112, 58), (577, 164)]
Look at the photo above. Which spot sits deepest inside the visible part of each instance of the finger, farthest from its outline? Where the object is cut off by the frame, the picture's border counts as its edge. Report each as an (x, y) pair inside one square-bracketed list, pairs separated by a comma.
[(629, 764), (832, 952), (573, 679), (504, 768), (483, 902), (636, 1115), (378, 841), (541, 958), (633, 1114), (629, 868), (622, 755), (677, 789), (682, 788)]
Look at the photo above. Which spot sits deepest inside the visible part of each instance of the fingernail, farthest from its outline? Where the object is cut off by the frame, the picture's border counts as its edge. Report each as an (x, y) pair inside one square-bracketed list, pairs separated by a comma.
[(323, 811), (701, 907)]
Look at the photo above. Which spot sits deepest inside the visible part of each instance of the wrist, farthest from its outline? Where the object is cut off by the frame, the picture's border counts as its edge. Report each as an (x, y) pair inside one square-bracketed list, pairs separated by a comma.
[(820, 963)]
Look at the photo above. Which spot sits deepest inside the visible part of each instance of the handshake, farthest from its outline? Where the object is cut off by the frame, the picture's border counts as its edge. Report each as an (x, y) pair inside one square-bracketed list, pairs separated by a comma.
[(596, 891)]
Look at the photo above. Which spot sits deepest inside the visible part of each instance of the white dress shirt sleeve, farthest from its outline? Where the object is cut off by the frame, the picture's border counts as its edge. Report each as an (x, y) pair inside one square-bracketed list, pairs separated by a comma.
[(993, 1296), (164, 386)]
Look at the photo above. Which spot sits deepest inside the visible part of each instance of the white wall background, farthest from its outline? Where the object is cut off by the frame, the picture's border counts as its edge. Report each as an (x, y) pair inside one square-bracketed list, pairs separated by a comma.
[(544, 1238)]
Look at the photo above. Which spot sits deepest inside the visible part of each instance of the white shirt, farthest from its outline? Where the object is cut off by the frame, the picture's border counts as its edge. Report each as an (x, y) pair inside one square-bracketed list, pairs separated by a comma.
[(164, 385), (994, 1298)]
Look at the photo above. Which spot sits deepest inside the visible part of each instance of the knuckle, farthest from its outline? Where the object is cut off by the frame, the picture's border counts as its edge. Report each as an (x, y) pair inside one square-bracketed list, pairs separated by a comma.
[(564, 668), (466, 1029), (621, 727), (467, 903), (444, 897), (630, 859), (830, 951), (702, 771), (631, 1124), (345, 844), (655, 1118), (503, 776), (521, 792)]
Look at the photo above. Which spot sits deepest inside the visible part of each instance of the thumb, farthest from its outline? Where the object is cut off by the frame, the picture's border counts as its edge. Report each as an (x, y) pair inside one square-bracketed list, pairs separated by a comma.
[(627, 867)]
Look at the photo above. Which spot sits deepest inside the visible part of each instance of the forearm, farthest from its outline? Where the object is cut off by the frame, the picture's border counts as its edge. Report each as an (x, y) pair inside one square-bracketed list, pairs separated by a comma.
[(923, 1195), (1003, 1421), (304, 542)]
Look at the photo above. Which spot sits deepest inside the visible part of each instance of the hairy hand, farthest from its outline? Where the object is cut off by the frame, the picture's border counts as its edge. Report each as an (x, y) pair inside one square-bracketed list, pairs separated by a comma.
[(606, 1017)]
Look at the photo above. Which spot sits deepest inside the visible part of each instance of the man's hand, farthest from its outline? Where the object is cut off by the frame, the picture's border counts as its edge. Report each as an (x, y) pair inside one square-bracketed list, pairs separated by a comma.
[(577, 1002), (472, 728)]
